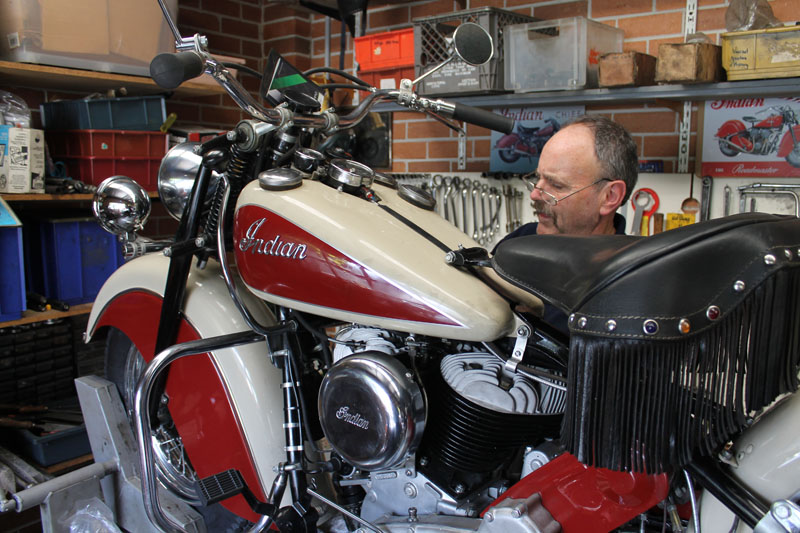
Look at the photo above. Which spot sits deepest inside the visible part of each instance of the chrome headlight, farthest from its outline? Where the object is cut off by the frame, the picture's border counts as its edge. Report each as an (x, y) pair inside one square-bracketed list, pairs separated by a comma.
[(121, 205), (176, 177)]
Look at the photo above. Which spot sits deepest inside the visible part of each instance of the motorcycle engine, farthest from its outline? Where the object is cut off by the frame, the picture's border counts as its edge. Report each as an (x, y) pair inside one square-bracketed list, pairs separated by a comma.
[(371, 408)]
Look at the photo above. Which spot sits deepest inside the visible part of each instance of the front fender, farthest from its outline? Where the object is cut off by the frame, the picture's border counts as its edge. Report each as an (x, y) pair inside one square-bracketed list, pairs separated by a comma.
[(787, 143), (227, 406), (730, 127)]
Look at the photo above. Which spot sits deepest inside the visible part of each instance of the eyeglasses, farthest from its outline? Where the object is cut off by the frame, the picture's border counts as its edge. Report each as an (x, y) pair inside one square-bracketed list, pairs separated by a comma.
[(549, 199)]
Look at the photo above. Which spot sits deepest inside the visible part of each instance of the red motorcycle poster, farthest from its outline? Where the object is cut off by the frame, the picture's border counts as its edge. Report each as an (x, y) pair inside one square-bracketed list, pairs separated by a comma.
[(752, 137), (519, 150)]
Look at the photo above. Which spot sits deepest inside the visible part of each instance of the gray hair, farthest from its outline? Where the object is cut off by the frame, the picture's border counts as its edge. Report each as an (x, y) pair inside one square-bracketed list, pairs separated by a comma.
[(615, 150)]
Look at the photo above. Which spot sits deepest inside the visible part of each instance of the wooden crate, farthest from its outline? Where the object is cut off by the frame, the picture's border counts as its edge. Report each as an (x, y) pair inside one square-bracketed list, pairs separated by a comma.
[(689, 63), (759, 54), (626, 69)]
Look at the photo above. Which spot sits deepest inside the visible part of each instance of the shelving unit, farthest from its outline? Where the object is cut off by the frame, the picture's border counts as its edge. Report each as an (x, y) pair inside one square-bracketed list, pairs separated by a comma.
[(49, 77), (29, 317), (648, 94)]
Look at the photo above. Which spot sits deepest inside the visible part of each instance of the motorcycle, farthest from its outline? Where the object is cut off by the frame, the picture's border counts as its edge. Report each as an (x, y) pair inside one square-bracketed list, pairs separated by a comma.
[(286, 362), (763, 137), (526, 141)]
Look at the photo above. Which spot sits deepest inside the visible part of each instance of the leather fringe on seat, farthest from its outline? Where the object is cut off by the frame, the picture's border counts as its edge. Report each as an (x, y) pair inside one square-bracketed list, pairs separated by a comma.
[(650, 406)]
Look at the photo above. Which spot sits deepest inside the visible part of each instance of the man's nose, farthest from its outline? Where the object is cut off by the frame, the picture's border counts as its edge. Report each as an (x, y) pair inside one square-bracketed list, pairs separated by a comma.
[(536, 194)]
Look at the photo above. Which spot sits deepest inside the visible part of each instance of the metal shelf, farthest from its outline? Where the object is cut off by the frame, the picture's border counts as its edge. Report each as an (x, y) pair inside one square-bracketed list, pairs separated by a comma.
[(649, 94), (50, 77)]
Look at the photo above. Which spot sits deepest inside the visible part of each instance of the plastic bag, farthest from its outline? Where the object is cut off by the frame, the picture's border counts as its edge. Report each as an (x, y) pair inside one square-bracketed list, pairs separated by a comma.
[(745, 15), (92, 516), (14, 111)]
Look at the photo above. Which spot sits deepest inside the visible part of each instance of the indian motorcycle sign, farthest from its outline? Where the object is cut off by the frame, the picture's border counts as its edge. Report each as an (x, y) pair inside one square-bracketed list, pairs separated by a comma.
[(752, 137)]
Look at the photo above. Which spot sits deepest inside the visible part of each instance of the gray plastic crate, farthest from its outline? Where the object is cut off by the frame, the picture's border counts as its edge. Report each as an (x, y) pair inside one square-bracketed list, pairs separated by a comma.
[(143, 113), (433, 44)]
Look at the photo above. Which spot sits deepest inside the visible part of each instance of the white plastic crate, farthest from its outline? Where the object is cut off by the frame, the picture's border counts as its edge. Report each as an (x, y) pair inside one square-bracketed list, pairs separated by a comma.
[(557, 54)]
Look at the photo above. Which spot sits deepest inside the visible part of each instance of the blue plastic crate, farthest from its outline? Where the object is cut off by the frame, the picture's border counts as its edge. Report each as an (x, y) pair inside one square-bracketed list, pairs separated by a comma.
[(74, 257), (12, 274), (146, 113)]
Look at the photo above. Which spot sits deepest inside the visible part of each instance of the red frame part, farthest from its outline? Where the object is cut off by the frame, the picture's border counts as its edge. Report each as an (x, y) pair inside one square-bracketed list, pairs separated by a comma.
[(199, 402), (585, 499)]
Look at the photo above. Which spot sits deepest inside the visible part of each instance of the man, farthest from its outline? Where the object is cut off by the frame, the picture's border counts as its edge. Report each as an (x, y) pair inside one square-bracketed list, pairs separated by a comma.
[(586, 171)]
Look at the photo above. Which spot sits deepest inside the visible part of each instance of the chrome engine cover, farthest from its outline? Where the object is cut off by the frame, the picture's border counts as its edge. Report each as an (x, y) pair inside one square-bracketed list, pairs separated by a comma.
[(371, 410)]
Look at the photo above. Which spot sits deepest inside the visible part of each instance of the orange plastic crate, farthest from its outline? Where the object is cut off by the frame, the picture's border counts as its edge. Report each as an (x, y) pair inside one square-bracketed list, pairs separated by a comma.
[(385, 50), (388, 78)]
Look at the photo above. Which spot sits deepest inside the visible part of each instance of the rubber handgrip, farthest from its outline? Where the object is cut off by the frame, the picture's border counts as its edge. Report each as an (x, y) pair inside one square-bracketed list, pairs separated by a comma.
[(170, 70), (481, 117)]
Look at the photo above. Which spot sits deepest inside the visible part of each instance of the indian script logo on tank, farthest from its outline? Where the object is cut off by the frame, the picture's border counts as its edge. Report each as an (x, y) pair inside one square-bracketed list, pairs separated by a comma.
[(356, 419), (274, 246)]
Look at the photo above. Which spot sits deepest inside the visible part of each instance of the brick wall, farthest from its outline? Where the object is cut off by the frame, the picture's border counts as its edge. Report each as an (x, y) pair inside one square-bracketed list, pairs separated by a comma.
[(421, 144)]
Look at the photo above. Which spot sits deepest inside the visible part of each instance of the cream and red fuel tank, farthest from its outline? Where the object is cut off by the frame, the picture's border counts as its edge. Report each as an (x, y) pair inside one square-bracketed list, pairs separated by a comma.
[(322, 251)]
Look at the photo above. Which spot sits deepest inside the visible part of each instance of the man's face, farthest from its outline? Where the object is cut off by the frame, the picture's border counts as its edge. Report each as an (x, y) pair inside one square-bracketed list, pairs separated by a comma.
[(567, 164)]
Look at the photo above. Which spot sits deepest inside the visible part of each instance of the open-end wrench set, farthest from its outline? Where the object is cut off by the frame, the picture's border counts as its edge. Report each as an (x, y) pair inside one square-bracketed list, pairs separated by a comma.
[(484, 206)]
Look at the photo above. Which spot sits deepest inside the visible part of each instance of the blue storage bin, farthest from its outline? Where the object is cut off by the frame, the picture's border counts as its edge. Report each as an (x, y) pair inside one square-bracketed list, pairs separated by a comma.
[(77, 256), (12, 274), (146, 113)]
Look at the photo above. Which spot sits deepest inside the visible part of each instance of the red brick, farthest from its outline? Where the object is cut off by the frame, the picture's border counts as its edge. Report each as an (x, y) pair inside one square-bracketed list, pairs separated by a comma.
[(252, 49), (711, 19), (648, 122), (646, 25), (785, 10), (476, 131), (428, 9), (209, 99), (613, 8), (428, 166), (405, 115), (442, 149), (251, 13), (654, 44), (666, 5), (556, 11), (275, 11), (318, 29), (509, 4), (660, 146), (427, 129), (240, 28), (189, 18), (636, 46), (223, 7), (190, 3), (186, 112), (482, 148), (398, 166), (224, 44), (388, 17), (398, 130), (410, 150), (290, 45), (223, 116), (478, 166)]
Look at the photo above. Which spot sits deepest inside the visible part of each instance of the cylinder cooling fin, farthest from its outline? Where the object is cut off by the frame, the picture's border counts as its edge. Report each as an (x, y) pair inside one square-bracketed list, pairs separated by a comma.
[(481, 420)]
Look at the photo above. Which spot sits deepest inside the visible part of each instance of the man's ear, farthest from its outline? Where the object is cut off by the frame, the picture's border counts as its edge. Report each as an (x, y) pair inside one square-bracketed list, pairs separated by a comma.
[(612, 196)]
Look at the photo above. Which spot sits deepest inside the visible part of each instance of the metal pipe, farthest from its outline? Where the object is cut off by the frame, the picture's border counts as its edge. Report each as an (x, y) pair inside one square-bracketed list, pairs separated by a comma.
[(728, 490), (35, 495), (144, 390)]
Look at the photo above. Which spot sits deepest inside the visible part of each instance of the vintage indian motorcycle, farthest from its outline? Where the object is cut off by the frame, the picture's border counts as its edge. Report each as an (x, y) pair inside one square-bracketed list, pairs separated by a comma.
[(763, 137), (361, 363), (525, 141)]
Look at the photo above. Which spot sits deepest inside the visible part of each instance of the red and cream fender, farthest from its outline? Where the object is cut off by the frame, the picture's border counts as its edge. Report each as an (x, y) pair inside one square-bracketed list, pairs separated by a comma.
[(227, 406)]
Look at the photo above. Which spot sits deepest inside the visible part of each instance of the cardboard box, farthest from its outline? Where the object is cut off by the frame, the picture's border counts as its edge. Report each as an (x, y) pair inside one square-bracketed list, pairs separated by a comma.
[(758, 54), (21, 160), (106, 35), (689, 63), (626, 69)]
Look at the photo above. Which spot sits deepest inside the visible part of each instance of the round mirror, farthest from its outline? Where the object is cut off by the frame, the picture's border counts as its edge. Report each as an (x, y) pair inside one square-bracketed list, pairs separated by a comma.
[(121, 205), (473, 44), (176, 177)]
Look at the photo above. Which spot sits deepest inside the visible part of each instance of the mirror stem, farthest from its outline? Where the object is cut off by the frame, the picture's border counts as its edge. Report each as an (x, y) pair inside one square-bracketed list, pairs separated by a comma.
[(434, 69)]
